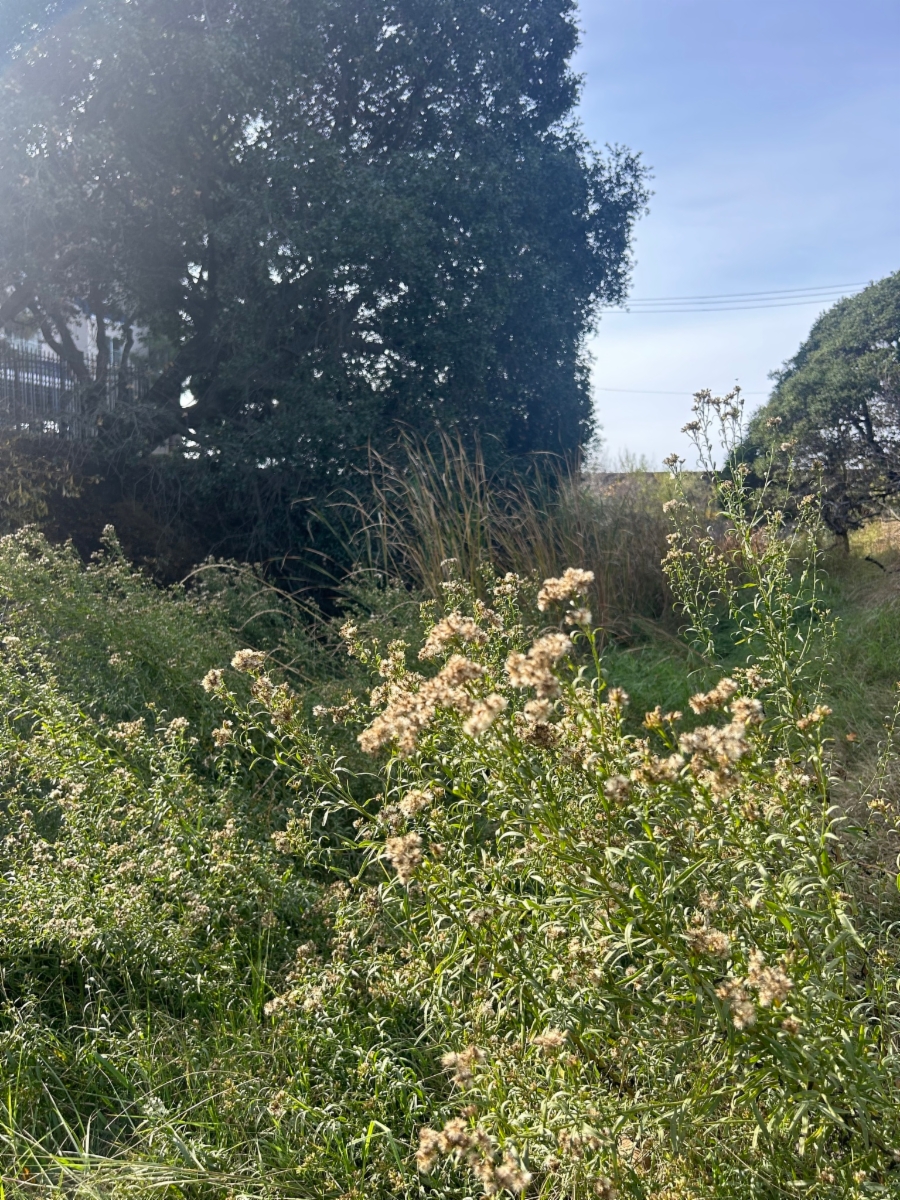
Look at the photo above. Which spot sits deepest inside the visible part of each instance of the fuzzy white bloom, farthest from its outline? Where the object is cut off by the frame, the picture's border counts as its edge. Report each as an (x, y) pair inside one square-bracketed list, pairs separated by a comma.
[(405, 853), (211, 680), (415, 801), (452, 628), (572, 582), (771, 983), (717, 698), (484, 714), (248, 660)]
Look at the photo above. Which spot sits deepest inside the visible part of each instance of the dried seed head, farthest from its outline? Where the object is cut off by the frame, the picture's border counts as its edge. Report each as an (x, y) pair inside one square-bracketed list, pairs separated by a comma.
[(816, 717), (743, 1010), (248, 660), (463, 1064), (537, 711), (533, 669), (582, 617), (223, 735), (511, 1175), (405, 852), (550, 1039), (572, 582), (454, 627), (717, 698), (704, 939), (617, 786), (484, 714), (415, 801), (212, 680), (429, 1149), (771, 983), (747, 710)]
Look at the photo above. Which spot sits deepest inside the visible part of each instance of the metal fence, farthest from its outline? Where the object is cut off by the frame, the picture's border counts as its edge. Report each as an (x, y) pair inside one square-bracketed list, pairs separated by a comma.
[(39, 393)]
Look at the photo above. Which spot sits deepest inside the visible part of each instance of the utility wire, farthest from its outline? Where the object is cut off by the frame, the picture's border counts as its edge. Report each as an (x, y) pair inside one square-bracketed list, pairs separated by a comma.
[(747, 301), (825, 287), (651, 392), (717, 308)]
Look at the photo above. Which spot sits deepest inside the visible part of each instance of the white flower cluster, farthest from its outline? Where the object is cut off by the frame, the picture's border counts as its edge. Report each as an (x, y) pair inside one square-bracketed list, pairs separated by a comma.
[(405, 852)]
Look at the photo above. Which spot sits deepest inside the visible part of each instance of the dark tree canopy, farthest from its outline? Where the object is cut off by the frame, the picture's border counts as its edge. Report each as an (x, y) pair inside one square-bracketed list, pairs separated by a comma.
[(838, 402), (336, 217)]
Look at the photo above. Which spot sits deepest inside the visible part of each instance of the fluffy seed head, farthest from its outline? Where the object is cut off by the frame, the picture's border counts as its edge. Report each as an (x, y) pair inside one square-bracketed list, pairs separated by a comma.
[(572, 582), (454, 627), (405, 852), (414, 802), (704, 939), (248, 660), (773, 986), (717, 698), (211, 680), (735, 995), (484, 714)]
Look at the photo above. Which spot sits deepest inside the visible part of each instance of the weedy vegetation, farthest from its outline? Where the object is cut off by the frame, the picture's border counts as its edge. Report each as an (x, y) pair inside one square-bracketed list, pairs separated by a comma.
[(419, 902)]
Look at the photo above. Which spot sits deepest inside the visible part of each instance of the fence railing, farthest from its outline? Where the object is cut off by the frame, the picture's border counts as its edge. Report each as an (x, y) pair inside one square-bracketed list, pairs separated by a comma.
[(40, 394)]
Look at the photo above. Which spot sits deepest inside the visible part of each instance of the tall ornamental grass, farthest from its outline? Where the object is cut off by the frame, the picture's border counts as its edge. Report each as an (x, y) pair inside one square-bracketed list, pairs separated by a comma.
[(438, 500)]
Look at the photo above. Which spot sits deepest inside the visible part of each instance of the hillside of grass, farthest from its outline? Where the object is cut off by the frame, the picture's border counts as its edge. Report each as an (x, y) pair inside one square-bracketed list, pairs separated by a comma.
[(491, 881)]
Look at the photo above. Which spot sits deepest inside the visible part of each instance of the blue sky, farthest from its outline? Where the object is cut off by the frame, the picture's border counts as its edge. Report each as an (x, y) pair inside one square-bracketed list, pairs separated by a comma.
[(773, 131)]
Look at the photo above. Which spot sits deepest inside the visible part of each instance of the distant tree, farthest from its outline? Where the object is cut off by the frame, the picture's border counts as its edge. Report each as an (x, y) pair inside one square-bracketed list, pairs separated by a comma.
[(836, 406), (339, 215)]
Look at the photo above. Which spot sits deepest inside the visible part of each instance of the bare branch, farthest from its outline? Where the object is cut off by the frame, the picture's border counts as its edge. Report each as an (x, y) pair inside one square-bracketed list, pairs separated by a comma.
[(67, 349), (96, 302), (127, 345)]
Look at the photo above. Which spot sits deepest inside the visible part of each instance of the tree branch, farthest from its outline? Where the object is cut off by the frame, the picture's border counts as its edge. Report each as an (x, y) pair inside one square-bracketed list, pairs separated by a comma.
[(122, 379), (64, 347), (96, 302)]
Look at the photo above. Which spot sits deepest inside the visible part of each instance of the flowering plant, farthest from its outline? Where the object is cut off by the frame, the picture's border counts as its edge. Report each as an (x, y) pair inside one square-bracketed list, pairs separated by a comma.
[(631, 949), (478, 929)]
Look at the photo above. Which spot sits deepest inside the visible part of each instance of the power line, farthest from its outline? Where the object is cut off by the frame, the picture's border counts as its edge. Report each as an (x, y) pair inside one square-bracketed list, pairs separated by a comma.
[(652, 392), (747, 301), (825, 287), (718, 308)]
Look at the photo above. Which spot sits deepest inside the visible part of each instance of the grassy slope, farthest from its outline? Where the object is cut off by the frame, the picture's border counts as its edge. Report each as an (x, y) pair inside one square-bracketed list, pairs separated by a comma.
[(161, 644)]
